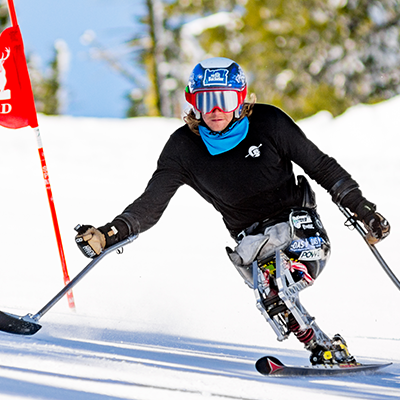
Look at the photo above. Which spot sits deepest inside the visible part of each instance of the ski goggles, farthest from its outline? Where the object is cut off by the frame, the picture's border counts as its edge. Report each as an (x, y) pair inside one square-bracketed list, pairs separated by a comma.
[(225, 100)]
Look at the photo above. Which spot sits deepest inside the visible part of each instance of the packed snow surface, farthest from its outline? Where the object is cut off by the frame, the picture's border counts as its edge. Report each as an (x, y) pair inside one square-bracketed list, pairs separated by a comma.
[(171, 318)]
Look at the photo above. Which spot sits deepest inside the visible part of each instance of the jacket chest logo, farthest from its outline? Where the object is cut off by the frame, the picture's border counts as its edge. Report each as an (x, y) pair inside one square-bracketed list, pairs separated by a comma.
[(254, 151)]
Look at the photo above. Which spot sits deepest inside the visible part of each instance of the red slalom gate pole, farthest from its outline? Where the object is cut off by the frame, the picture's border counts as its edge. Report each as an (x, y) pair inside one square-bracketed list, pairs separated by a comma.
[(13, 15), (18, 110), (70, 296)]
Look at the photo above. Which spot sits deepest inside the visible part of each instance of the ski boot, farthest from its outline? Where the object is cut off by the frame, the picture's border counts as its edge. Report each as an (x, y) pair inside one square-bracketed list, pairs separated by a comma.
[(337, 353)]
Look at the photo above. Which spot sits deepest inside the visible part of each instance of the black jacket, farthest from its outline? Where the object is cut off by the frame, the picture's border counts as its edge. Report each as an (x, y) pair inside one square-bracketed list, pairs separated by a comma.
[(249, 183)]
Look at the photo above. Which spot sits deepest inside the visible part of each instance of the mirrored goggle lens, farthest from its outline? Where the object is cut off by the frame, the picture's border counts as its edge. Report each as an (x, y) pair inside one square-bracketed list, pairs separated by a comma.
[(226, 100)]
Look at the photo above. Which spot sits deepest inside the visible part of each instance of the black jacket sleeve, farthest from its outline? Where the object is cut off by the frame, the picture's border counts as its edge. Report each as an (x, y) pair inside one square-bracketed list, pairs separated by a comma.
[(324, 169)]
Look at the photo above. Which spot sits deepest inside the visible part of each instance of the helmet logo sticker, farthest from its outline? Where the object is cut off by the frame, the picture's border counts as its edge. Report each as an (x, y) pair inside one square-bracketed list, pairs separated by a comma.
[(216, 77), (254, 151)]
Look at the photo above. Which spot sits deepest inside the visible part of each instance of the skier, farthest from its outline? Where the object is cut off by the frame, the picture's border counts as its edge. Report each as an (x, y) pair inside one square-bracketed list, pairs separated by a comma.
[(238, 156)]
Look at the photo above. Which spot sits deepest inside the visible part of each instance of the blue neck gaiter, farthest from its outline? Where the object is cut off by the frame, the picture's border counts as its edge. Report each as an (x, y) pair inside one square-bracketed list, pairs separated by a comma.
[(218, 143)]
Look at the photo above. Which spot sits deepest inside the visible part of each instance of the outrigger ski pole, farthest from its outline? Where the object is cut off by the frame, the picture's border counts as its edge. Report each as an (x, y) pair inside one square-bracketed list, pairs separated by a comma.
[(28, 325), (353, 222)]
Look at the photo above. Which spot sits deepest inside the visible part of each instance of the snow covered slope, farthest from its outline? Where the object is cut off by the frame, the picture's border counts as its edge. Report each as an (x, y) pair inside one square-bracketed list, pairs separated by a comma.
[(170, 318)]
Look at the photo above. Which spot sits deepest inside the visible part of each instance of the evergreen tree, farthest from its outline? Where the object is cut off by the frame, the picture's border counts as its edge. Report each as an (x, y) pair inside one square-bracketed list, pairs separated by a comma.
[(304, 56), (48, 87), (157, 52), (4, 17), (315, 54)]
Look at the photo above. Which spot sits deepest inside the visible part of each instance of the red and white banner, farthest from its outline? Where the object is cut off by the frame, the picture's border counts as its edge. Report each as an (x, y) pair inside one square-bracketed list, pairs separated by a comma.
[(17, 106)]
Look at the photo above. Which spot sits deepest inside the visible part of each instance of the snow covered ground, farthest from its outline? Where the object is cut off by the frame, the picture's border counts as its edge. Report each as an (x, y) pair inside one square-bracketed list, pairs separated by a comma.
[(170, 318)]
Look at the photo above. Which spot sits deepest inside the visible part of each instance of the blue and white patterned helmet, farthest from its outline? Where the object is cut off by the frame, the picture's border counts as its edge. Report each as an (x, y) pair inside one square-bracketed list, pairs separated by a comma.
[(217, 73)]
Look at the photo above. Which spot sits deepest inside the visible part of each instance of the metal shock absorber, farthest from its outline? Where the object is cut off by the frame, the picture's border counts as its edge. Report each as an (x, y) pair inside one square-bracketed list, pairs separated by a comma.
[(303, 336)]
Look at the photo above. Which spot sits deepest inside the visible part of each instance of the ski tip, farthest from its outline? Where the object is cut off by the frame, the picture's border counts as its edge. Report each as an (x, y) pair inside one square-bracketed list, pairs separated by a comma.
[(268, 365), (17, 325)]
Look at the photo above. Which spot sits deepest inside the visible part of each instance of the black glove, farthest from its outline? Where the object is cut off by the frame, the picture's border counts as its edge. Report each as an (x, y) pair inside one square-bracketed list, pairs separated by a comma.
[(376, 225), (90, 240)]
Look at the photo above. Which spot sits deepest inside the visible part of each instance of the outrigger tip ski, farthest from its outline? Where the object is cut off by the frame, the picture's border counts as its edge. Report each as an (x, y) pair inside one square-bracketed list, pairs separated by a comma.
[(11, 323)]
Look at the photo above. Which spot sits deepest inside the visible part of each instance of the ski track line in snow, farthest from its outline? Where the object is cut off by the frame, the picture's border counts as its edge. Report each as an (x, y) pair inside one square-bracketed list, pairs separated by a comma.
[(130, 365)]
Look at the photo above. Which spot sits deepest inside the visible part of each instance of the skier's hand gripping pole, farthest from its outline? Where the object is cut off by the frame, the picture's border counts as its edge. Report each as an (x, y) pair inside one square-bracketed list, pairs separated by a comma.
[(375, 229), (91, 241)]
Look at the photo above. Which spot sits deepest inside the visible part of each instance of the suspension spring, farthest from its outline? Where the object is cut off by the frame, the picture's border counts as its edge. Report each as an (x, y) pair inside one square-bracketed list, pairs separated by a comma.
[(304, 336)]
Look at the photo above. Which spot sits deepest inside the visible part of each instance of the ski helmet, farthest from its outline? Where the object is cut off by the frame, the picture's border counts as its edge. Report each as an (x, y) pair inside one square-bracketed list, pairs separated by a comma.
[(216, 83)]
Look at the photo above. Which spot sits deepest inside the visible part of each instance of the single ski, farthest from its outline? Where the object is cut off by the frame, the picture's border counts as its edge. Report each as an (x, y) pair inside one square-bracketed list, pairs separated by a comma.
[(271, 366)]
